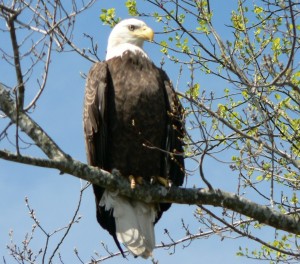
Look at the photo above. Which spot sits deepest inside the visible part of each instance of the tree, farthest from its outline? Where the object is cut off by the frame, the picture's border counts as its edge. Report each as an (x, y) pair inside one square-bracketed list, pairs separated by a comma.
[(248, 120)]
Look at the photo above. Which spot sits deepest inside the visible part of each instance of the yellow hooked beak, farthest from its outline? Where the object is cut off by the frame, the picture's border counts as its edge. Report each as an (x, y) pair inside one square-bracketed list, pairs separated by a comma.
[(145, 33)]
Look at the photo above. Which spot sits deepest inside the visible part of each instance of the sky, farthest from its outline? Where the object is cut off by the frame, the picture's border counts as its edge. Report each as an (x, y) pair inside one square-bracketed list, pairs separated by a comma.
[(54, 197)]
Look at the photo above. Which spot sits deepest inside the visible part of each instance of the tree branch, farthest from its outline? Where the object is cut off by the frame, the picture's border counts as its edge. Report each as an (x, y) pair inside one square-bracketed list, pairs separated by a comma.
[(257, 140), (27, 125), (148, 193), (151, 193), (15, 47)]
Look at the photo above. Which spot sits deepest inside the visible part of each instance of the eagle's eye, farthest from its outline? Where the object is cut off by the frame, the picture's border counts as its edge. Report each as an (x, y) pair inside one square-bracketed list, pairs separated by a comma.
[(131, 27)]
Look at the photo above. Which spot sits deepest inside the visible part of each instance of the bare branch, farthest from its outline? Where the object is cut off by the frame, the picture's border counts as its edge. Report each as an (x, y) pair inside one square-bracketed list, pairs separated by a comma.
[(20, 87), (47, 145)]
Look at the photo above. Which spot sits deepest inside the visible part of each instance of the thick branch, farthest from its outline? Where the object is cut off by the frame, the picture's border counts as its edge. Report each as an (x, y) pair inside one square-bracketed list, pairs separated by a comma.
[(33, 130), (150, 193), (147, 193)]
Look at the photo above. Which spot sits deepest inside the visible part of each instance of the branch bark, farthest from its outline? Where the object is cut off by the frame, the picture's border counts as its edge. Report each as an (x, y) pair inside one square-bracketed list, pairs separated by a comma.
[(20, 91), (27, 125), (148, 193)]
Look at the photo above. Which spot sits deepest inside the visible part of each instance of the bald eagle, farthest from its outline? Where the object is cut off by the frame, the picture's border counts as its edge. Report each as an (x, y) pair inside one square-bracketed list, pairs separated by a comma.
[(132, 123)]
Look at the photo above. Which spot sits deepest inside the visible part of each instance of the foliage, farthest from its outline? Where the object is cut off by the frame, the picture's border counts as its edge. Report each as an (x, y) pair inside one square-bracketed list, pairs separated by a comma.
[(107, 16)]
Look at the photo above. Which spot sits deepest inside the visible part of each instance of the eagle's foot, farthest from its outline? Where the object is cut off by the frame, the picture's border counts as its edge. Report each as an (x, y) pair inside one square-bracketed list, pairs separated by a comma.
[(163, 181), (135, 180)]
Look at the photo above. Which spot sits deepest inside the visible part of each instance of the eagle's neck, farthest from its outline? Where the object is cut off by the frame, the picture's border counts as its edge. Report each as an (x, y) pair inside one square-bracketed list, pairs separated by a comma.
[(118, 51)]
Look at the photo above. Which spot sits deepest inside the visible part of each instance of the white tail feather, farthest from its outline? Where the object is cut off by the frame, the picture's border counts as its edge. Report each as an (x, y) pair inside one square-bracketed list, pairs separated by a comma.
[(134, 223)]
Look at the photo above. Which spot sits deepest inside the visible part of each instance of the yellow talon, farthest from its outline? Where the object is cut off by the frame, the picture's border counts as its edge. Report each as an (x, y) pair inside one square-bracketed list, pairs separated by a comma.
[(139, 180), (134, 180), (163, 181)]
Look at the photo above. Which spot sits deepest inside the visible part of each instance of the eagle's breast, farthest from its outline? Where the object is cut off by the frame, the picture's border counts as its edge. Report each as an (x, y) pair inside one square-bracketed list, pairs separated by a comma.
[(136, 111)]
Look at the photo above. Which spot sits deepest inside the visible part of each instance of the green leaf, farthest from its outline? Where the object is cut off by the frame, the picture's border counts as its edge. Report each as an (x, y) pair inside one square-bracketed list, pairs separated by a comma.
[(107, 16), (277, 96), (164, 45), (276, 44), (131, 7), (194, 91), (258, 10), (259, 178), (294, 199)]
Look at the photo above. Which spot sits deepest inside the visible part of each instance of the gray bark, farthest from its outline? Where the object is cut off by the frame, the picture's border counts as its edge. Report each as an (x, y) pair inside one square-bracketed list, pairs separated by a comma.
[(57, 159)]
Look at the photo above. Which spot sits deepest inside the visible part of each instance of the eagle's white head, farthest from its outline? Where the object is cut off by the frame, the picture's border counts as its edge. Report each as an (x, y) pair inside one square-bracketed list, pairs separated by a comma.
[(129, 34)]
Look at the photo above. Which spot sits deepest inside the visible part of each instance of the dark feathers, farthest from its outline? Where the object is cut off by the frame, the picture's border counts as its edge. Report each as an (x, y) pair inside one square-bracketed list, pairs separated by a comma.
[(132, 123)]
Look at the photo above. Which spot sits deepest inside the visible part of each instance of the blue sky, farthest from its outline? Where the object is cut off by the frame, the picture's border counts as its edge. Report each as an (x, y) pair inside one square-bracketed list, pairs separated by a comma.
[(54, 197)]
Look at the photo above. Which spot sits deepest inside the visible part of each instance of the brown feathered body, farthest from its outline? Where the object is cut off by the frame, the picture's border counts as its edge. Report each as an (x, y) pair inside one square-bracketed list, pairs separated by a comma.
[(132, 123)]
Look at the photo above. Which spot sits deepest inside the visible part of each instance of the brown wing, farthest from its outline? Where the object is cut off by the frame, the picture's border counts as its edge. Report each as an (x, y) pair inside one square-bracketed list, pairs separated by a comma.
[(94, 114), (173, 162), (175, 132), (95, 131)]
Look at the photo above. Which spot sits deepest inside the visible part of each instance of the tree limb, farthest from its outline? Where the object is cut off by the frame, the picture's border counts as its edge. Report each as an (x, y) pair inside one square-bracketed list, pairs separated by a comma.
[(27, 125), (151, 193), (15, 47), (148, 193)]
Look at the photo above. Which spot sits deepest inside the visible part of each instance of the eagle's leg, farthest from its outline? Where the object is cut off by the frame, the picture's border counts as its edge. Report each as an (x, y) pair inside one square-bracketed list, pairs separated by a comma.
[(134, 180), (163, 181)]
